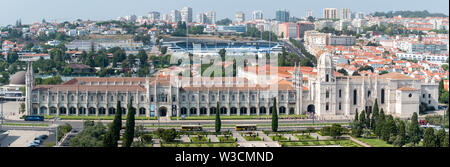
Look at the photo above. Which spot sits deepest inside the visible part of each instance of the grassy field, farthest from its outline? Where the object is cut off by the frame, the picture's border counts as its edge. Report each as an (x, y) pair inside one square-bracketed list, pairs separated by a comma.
[(279, 138), (199, 139), (343, 143), (23, 124), (375, 142), (71, 117), (304, 137), (226, 139), (199, 145), (252, 138)]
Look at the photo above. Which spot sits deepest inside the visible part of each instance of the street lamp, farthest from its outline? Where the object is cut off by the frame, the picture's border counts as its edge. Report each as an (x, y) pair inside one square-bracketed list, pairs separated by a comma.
[(1, 124), (56, 133)]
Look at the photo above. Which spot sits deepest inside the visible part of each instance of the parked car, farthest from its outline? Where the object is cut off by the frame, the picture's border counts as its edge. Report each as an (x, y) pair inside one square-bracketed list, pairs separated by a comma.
[(33, 144), (37, 141), (43, 137)]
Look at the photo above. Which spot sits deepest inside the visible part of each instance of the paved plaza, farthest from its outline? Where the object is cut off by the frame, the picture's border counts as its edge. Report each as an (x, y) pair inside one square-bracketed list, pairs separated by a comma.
[(20, 138)]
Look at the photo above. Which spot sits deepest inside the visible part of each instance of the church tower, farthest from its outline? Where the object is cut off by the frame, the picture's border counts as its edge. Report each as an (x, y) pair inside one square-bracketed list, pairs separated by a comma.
[(29, 81), (298, 85), (325, 101)]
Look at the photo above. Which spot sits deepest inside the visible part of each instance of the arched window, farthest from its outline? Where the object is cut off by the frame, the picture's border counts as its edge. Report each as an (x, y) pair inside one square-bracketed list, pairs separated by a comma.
[(339, 105), (327, 106), (243, 110), (252, 110), (382, 96), (142, 111), (223, 111), (212, 110), (233, 111), (193, 111), (183, 111), (262, 110), (340, 93), (327, 94), (327, 78), (355, 97), (291, 111), (282, 110)]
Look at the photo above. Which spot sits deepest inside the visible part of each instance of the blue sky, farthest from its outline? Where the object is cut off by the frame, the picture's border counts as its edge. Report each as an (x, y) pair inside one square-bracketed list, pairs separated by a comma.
[(60, 10)]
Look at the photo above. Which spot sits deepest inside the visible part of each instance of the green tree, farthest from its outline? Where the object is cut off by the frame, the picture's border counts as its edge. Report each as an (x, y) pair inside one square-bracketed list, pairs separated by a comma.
[(440, 138), (429, 139), (113, 134), (218, 121), (128, 136), (168, 135), (274, 116), (343, 71), (356, 115), (379, 123), (414, 129), (91, 136), (389, 129), (401, 137), (336, 131), (362, 118), (375, 112), (445, 144)]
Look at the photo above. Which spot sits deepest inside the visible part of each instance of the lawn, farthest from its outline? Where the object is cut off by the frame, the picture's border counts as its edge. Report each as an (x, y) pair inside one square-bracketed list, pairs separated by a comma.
[(252, 138), (199, 139), (23, 124), (375, 142), (343, 143), (279, 138), (304, 137), (199, 145), (226, 139)]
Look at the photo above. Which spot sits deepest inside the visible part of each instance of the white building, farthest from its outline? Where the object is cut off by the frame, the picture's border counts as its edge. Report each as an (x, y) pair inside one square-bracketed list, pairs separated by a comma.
[(239, 17), (330, 13), (175, 16), (186, 14), (323, 93), (346, 14), (257, 15)]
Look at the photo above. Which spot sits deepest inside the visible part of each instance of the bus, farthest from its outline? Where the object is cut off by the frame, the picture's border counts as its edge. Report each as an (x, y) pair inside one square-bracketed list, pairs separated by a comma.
[(34, 118), (191, 128), (245, 127)]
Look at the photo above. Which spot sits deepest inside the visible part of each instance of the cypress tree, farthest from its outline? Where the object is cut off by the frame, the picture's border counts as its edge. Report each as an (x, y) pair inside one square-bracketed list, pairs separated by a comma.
[(446, 140), (113, 135), (117, 122), (389, 129), (414, 130), (128, 136), (379, 123), (362, 118), (429, 139), (440, 138), (356, 116), (274, 116), (218, 121), (375, 113)]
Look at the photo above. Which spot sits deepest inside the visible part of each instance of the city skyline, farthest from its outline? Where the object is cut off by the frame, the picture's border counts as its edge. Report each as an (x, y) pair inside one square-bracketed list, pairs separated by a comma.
[(36, 11)]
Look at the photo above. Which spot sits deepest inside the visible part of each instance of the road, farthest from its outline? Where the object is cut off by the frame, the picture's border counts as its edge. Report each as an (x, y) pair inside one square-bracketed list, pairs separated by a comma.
[(291, 48)]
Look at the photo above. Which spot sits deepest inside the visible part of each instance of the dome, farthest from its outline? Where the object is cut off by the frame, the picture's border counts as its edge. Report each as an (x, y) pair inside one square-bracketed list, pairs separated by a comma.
[(18, 78), (325, 61)]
